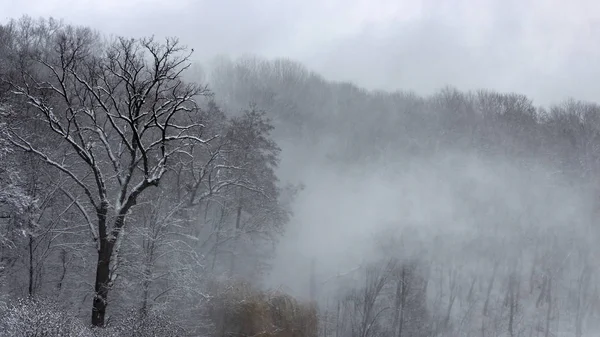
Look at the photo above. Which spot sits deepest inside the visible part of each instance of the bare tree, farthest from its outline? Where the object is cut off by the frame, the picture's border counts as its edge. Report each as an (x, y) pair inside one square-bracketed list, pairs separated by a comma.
[(582, 298), (123, 114), (364, 303)]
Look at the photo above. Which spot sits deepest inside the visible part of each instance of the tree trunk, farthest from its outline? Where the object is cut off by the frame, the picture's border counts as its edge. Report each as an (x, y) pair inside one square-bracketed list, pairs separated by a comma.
[(63, 260), (401, 322), (218, 226), (215, 250), (337, 319), (31, 244), (145, 293), (581, 301), (235, 239), (549, 311), (147, 279), (403, 294), (102, 283), (397, 306), (489, 291), (512, 300)]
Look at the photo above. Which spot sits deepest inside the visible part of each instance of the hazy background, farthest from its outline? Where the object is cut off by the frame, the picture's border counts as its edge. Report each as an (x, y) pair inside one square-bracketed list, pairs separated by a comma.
[(546, 49), (479, 181)]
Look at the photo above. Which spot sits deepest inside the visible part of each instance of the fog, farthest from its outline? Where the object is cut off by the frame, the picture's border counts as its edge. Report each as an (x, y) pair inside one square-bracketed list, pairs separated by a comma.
[(423, 168), (456, 206), (544, 49)]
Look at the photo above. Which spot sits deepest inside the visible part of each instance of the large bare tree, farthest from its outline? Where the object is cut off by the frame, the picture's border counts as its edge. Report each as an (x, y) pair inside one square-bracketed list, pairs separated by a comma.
[(121, 116)]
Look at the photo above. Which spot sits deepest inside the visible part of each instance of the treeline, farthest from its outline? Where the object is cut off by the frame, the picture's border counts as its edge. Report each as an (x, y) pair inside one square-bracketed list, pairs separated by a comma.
[(514, 255), (125, 187), (369, 125)]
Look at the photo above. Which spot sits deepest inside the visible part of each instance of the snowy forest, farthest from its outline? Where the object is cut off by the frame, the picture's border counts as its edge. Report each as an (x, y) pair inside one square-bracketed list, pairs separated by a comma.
[(144, 193)]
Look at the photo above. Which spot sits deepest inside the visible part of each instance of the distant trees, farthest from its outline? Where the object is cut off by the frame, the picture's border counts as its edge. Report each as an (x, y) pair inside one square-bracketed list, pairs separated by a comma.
[(111, 120), (389, 299), (368, 126), (520, 290), (119, 177)]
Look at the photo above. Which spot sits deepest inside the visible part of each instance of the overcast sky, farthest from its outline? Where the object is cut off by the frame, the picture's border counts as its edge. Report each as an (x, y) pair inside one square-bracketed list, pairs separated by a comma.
[(548, 49)]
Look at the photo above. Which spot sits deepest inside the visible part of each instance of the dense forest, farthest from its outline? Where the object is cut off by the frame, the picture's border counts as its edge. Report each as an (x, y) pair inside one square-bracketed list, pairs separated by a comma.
[(145, 194)]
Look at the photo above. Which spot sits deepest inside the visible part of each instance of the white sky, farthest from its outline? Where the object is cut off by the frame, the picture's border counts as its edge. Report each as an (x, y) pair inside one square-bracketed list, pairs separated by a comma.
[(548, 49)]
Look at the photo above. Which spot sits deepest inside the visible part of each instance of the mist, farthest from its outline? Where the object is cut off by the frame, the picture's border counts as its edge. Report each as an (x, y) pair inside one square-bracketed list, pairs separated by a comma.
[(544, 49), (340, 169), (454, 206)]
